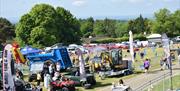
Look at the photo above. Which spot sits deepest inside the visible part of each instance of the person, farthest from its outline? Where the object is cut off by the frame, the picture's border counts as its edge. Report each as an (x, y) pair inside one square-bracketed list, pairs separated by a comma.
[(134, 55), (142, 55), (38, 78), (58, 67), (146, 65), (56, 76), (46, 81), (179, 58), (121, 82), (113, 85), (51, 68), (162, 63)]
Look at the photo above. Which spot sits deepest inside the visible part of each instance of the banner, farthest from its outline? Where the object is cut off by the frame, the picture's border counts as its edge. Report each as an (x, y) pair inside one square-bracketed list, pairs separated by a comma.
[(166, 46), (8, 78), (81, 65), (131, 45)]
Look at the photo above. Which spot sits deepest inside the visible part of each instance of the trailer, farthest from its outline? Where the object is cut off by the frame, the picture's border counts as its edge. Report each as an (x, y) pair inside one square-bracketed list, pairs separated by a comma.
[(55, 55), (112, 64)]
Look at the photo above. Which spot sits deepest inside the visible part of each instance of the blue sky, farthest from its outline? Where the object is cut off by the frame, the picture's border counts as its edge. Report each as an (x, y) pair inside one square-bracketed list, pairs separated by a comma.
[(14, 9)]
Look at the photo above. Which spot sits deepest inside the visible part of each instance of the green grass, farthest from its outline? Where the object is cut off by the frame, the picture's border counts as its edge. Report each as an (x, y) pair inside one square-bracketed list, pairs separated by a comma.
[(165, 84), (106, 82), (155, 63)]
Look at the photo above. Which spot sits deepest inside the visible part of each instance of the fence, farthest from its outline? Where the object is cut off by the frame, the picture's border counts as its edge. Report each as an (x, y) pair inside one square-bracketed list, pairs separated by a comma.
[(149, 85)]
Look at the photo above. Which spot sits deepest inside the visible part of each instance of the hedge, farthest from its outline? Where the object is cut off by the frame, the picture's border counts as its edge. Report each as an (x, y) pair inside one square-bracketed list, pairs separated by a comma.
[(117, 40)]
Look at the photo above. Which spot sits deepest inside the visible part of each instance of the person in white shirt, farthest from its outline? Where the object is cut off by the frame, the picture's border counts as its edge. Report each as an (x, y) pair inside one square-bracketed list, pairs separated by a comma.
[(58, 67)]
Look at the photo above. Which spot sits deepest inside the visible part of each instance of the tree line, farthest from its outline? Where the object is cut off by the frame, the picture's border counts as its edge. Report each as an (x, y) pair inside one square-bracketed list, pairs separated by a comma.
[(163, 22), (45, 25)]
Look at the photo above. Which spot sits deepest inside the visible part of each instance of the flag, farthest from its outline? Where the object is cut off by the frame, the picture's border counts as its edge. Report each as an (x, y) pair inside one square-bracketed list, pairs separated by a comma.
[(19, 58)]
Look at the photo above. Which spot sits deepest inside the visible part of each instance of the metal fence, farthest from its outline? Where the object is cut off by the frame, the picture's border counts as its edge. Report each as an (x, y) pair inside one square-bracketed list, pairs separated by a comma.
[(149, 85)]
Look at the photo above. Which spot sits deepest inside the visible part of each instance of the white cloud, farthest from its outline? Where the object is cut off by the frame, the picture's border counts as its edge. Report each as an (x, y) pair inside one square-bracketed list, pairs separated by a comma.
[(135, 1), (79, 2)]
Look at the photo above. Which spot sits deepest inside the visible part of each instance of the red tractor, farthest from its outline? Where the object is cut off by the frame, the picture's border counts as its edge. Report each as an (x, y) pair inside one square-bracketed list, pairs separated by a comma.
[(67, 85)]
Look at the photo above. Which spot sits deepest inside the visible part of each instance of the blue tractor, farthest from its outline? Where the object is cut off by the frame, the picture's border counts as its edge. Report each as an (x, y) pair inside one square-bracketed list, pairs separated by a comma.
[(55, 55)]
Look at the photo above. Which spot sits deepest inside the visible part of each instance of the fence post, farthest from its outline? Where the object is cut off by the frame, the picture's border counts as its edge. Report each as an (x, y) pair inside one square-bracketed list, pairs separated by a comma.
[(163, 81)]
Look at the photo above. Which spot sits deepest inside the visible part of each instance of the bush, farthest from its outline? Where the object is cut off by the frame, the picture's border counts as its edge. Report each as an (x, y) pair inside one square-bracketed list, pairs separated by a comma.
[(117, 40)]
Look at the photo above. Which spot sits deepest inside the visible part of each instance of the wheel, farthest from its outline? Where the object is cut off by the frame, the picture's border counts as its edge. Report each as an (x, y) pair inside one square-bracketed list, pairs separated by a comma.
[(65, 89), (87, 86)]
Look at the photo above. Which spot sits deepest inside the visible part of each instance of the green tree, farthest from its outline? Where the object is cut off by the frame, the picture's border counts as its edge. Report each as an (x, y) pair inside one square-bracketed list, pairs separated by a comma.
[(121, 29), (70, 26), (6, 30), (105, 27), (167, 22), (44, 26), (139, 25), (87, 26), (176, 22)]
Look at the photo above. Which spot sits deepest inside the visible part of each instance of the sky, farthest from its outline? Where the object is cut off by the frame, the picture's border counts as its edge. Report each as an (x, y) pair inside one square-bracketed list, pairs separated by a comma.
[(121, 9)]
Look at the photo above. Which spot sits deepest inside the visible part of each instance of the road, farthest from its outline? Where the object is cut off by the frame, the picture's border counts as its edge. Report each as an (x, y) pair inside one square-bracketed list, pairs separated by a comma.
[(141, 79)]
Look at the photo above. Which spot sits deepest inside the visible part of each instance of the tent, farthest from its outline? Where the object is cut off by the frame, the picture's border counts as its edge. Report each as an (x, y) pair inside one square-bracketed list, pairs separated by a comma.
[(30, 50), (154, 38)]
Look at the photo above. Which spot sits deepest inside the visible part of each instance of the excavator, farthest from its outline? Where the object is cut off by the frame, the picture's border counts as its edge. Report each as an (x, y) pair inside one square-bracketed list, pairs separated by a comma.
[(112, 64)]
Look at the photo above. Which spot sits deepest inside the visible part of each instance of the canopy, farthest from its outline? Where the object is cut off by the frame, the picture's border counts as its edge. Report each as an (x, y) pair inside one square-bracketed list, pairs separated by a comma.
[(97, 49), (154, 36), (29, 50)]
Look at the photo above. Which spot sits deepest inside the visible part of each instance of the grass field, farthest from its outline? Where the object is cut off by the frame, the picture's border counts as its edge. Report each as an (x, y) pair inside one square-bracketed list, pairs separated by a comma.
[(153, 55), (155, 63)]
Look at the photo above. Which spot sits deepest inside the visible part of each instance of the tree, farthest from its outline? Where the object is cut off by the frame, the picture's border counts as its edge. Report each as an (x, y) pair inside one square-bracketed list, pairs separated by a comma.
[(87, 26), (121, 29), (139, 25), (70, 26), (44, 26), (176, 22), (105, 27), (167, 22), (6, 30)]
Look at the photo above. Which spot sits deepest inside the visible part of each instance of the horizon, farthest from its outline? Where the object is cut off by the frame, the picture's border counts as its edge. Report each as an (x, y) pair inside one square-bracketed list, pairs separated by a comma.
[(113, 9)]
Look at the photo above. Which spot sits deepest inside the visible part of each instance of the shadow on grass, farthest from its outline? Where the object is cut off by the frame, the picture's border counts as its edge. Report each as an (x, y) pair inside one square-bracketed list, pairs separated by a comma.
[(99, 84), (138, 72)]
